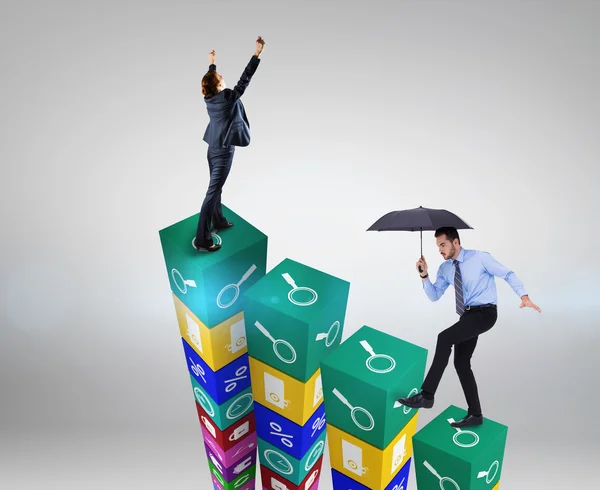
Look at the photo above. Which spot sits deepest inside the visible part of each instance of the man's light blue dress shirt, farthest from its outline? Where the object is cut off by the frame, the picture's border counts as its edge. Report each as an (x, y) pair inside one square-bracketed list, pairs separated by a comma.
[(477, 271)]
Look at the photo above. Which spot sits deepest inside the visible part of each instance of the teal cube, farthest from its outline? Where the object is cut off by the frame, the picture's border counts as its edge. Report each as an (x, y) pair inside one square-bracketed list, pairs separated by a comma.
[(294, 317), (362, 380), (230, 411), (211, 284), (468, 458)]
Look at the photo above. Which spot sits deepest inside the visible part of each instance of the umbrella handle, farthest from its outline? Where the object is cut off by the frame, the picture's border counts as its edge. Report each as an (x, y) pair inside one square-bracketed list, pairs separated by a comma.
[(421, 233)]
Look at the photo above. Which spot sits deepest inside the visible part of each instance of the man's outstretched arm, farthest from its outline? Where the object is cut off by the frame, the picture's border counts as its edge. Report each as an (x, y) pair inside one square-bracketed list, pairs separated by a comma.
[(492, 266)]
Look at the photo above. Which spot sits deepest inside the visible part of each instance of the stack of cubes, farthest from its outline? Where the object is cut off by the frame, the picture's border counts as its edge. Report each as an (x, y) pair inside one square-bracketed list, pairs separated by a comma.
[(455, 458), (369, 433), (294, 318), (207, 290)]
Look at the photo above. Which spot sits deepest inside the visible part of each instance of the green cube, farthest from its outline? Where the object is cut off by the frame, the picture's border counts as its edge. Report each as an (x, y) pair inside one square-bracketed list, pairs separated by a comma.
[(294, 317), (468, 458), (362, 380), (290, 468), (211, 284)]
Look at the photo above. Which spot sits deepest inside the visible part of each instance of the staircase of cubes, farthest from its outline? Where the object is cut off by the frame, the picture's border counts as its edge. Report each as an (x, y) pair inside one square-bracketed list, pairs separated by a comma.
[(275, 386)]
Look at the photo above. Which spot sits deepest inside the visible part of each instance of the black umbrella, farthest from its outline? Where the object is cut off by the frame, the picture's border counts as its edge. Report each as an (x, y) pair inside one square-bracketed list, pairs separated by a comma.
[(418, 219)]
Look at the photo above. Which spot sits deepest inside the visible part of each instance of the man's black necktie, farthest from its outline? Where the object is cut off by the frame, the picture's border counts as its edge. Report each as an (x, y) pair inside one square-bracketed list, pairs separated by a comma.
[(460, 302)]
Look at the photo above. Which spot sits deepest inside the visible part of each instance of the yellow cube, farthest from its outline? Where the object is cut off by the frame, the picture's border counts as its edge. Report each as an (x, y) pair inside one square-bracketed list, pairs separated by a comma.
[(367, 464), (287, 396), (217, 346)]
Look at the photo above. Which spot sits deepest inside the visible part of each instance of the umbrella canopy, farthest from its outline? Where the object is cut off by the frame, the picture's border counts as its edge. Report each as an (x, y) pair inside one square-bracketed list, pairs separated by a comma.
[(418, 219)]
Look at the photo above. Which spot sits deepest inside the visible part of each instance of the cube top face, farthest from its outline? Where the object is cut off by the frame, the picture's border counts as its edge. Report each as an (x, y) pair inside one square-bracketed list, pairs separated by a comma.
[(179, 237), (296, 290), (363, 379), (466, 444), (211, 284), (375, 358)]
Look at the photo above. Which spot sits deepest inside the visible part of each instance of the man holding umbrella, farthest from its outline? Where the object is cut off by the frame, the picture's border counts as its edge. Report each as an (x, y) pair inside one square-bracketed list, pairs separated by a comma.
[(472, 273)]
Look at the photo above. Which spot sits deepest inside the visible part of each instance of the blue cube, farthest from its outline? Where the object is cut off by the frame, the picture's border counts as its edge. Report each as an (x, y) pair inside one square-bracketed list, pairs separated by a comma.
[(286, 435), (221, 385)]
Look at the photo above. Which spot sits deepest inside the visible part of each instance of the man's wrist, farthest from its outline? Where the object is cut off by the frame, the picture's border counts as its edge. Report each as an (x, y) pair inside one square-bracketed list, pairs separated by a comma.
[(425, 276)]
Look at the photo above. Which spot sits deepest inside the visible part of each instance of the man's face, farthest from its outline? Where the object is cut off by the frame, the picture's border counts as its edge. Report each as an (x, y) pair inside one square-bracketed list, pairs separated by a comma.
[(446, 247)]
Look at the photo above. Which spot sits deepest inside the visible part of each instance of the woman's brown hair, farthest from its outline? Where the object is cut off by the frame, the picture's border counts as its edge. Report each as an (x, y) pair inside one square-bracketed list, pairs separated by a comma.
[(210, 83)]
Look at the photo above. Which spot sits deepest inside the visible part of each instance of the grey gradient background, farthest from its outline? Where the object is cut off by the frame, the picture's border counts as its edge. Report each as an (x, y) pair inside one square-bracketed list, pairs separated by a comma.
[(490, 109)]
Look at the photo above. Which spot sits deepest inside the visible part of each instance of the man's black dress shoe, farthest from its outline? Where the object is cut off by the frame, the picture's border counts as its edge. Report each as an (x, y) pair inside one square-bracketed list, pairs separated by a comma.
[(416, 401), (468, 421), (223, 226)]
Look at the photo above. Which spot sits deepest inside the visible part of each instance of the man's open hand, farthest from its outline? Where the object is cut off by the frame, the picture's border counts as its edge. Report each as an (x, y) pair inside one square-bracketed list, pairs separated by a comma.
[(527, 303)]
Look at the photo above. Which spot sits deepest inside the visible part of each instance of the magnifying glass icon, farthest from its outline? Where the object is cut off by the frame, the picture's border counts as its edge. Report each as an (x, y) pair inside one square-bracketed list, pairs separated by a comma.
[(459, 432), (373, 356), (335, 327), (489, 476), (353, 411), (236, 287), (177, 277), (296, 288), (443, 479), (277, 343)]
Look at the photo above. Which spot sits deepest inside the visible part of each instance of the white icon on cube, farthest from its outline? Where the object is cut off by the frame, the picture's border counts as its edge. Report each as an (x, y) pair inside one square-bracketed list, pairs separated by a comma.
[(243, 465), (238, 336), (398, 453), (216, 463), (318, 391), (239, 431), (193, 331), (209, 426), (277, 485), (352, 456), (311, 480), (274, 391)]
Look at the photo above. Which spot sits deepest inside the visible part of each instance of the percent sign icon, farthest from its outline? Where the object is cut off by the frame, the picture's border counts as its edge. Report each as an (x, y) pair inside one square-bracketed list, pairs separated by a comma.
[(197, 369), (233, 382), (284, 437), (400, 486), (318, 424)]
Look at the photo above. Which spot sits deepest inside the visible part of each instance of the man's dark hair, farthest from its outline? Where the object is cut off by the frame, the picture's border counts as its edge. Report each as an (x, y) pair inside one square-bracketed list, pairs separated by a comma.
[(210, 83), (450, 232)]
